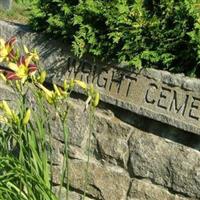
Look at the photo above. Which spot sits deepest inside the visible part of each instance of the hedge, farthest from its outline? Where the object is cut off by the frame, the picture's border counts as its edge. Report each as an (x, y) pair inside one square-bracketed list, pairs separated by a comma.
[(164, 34)]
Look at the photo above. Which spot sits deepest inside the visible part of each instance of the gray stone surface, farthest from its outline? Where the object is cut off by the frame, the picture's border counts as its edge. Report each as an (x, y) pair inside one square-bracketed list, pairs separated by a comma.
[(70, 195), (145, 190), (6, 4), (165, 163), (122, 153), (6, 92), (112, 140), (103, 182)]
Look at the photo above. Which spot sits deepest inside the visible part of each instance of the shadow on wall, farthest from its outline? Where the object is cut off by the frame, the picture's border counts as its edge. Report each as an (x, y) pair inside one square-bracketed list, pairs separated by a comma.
[(157, 128)]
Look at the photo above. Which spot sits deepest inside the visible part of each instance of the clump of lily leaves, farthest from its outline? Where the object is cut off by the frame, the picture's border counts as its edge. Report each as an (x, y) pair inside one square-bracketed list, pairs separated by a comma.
[(25, 132)]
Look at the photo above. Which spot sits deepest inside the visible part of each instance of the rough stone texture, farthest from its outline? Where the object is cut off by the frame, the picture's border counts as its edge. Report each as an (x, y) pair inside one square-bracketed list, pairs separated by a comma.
[(121, 152), (103, 182), (136, 150), (165, 163), (6, 92), (112, 140), (145, 190), (78, 126), (71, 195)]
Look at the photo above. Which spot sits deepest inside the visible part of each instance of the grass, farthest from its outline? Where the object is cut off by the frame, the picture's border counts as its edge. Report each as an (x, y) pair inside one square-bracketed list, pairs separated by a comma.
[(19, 13)]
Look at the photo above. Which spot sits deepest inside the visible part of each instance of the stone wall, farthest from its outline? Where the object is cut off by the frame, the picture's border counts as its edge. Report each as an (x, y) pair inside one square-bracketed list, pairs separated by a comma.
[(145, 140)]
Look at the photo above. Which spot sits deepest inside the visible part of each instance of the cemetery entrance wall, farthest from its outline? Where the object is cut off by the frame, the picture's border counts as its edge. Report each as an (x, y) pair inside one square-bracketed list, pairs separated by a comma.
[(146, 137)]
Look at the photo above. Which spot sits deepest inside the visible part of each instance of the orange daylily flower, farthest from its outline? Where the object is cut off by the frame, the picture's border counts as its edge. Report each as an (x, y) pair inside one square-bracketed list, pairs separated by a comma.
[(22, 70)]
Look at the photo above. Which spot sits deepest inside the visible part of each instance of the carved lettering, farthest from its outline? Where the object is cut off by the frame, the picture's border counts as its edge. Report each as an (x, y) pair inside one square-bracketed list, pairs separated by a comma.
[(137, 90), (178, 107), (130, 80), (150, 96), (102, 79), (72, 68), (115, 82), (164, 98), (194, 108)]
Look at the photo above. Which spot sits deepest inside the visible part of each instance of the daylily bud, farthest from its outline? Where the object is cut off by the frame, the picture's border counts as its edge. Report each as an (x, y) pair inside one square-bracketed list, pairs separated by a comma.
[(15, 118), (42, 77), (81, 84), (49, 99), (7, 108), (27, 117), (62, 92), (56, 90), (96, 99), (35, 55), (26, 49), (65, 85), (46, 91), (18, 86), (71, 84)]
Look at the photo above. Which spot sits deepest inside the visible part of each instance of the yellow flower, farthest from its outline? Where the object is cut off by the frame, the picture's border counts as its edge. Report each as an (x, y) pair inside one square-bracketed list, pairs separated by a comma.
[(21, 70)]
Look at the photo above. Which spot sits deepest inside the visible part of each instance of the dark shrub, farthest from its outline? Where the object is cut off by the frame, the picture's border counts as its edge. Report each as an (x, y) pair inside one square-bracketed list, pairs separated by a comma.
[(140, 33)]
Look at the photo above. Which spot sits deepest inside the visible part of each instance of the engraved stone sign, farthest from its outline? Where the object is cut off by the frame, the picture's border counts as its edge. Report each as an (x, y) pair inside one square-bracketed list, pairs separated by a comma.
[(160, 96)]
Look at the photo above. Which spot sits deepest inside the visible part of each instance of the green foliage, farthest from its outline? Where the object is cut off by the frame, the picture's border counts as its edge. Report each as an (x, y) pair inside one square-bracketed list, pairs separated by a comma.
[(14, 178), (25, 1), (139, 33)]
